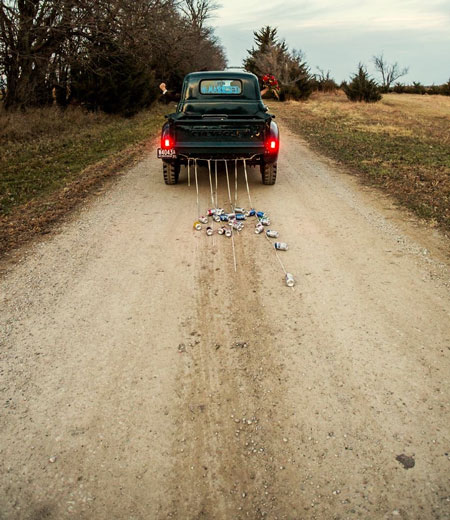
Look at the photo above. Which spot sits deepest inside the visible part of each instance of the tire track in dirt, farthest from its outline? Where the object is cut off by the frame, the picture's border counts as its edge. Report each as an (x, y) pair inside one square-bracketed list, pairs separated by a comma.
[(232, 393)]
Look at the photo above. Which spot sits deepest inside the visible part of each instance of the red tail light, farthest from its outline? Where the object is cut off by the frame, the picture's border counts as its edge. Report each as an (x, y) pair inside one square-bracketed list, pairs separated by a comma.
[(167, 142), (272, 145)]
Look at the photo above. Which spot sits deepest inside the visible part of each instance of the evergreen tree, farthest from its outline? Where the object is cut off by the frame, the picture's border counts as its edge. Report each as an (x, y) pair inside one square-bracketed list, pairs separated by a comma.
[(271, 56), (362, 87), (265, 39)]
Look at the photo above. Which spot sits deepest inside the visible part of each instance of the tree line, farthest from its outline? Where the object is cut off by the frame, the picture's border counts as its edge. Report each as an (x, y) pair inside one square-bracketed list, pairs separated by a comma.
[(271, 55), (111, 55), (108, 54)]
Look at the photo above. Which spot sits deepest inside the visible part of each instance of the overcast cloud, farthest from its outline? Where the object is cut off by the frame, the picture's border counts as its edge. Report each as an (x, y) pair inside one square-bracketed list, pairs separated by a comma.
[(337, 35)]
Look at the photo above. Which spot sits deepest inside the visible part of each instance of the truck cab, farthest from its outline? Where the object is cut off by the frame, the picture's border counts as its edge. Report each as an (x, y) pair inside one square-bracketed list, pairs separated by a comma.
[(220, 116)]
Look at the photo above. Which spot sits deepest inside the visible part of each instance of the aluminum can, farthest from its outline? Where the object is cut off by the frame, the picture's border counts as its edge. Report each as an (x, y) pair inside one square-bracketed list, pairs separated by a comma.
[(224, 218), (228, 232), (211, 212), (260, 214), (237, 225), (221, 230), (209, 231), (289, 279), (216, 218), (231, 216), (241, 216), (197, 225), (265, 222), (280, 246), (219, 211), (259, 228), (271, 233), (203, 220), (239, 210), (251, 213)]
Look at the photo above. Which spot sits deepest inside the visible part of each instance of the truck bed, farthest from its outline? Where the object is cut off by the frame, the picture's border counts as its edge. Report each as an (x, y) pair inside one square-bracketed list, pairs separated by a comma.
[(219, 135)]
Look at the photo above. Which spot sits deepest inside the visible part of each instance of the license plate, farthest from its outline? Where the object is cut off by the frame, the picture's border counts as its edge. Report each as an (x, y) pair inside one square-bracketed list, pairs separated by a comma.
[(167, 154)]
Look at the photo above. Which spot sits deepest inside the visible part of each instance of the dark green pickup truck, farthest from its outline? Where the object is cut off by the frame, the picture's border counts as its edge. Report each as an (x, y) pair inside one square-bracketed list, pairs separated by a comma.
[(220, 116)]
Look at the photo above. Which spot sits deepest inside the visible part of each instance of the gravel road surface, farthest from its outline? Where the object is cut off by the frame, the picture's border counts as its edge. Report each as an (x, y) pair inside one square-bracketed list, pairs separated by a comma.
[(142, 378)]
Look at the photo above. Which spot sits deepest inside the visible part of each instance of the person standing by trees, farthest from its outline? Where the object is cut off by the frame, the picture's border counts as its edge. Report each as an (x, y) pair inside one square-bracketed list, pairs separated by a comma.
[(167, 96)]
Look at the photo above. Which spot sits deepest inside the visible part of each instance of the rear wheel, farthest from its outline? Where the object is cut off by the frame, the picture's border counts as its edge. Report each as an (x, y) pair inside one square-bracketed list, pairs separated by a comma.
[(171, 171), (269, 173)]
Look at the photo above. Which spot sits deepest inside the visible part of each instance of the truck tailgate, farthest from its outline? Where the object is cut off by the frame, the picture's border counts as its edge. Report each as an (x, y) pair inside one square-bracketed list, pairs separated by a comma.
[(217, 133)]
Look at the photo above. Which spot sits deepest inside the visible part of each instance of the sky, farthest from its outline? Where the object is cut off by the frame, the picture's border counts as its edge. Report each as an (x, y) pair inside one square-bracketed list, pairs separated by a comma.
[(337, 35)]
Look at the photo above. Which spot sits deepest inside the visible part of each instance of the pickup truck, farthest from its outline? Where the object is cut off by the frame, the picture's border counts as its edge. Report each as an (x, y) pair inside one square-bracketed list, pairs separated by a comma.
[(220, 116)]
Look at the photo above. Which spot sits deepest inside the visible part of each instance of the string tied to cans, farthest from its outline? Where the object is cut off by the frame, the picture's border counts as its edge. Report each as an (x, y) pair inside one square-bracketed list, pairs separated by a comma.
[(234, 220)]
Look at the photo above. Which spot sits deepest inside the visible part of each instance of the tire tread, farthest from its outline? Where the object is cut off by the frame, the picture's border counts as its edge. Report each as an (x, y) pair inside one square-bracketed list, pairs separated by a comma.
[(269, 174)]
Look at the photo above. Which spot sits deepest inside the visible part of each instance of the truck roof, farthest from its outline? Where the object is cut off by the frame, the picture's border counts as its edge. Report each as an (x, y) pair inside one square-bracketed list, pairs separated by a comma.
[(249, 90), (225, 74), (246, 102)]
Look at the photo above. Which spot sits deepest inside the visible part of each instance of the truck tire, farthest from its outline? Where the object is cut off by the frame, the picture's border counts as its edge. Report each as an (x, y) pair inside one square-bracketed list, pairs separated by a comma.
[(269, 173), (171, 171)]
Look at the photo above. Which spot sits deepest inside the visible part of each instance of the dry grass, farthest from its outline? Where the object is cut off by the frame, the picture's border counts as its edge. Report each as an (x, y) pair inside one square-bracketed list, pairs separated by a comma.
[(38, 123), (401, 143), (43, 149), (51, 160)]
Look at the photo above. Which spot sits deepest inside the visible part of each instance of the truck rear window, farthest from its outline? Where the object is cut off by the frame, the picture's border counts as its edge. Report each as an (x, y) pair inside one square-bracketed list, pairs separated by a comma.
[(221, 86)]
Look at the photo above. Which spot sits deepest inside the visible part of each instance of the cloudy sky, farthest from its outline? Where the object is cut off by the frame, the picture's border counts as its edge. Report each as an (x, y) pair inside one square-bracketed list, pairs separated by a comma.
[(337, 35)]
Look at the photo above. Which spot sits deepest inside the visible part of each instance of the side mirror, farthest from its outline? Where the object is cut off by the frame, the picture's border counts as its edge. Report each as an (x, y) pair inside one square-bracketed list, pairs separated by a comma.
[(266, 108)]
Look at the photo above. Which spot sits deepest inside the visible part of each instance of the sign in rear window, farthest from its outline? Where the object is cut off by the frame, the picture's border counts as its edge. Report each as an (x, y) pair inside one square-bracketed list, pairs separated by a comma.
[(221, 86)]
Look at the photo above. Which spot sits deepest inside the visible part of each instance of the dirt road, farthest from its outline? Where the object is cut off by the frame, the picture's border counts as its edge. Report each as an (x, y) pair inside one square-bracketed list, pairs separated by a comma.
[(142, 378)]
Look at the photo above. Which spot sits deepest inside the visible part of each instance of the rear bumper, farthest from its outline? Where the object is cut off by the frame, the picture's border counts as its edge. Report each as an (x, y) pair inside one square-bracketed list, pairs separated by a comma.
[(218, 149)]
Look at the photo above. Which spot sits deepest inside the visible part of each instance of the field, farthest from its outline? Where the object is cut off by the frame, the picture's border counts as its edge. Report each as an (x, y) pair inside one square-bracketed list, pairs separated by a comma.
[(401, 143), (50, 159)]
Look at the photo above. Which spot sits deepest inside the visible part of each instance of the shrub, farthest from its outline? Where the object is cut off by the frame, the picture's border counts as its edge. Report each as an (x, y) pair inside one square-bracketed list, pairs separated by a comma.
[(289, 92), (434, 90), (323, 82), (417, 88), (399, 88), (362, 87), (445, 88)]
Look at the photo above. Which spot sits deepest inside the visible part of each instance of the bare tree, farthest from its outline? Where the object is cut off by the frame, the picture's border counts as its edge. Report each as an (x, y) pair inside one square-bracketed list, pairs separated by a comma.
[(198, 11), (325, 83), (390, 72), (32, 33), (50, 45)]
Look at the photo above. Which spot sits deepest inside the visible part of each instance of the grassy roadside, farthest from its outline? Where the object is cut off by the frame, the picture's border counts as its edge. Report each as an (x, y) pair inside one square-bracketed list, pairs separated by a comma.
[(401, 143), (50, 160), (44, 149)]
